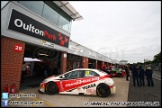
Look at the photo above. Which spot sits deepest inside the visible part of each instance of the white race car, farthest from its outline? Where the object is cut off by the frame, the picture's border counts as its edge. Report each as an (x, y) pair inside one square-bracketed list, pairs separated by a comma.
[(80, 81)]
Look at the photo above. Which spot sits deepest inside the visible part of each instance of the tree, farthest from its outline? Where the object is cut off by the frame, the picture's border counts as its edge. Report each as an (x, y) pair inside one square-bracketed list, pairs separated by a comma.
[(139, 63), (157, 58)]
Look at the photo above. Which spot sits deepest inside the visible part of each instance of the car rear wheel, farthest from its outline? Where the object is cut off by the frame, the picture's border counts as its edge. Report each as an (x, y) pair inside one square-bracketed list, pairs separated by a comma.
[(103, 90), (51, 88)]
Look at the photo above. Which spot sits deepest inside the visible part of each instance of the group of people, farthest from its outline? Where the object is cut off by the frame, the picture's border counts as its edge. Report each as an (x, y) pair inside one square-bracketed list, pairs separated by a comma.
[(39, 69), (45, 69), (139, 73)]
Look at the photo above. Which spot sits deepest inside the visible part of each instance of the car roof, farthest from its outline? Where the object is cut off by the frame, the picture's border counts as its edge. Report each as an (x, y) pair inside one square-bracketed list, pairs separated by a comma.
[(96, 70), (85, 69)]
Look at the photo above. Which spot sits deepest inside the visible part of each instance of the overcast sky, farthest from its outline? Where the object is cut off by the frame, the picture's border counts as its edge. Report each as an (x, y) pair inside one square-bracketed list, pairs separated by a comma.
[(119, 29)]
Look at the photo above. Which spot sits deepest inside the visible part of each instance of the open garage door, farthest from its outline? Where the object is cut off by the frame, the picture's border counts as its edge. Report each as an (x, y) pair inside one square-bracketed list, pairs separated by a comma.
[(41, 62)]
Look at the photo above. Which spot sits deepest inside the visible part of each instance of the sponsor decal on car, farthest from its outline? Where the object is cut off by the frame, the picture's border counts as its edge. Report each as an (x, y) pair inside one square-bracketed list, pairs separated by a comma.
[(91, 91), (78, 88), (89, 86), (82, 81)]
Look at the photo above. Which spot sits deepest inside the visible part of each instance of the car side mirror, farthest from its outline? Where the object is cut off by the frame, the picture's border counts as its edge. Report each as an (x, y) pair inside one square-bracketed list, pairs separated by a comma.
[(62, 76)]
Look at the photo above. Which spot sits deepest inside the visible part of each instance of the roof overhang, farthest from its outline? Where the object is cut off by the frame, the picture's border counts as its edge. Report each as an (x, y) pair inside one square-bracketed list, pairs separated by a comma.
[(3, 3), (69, 9)]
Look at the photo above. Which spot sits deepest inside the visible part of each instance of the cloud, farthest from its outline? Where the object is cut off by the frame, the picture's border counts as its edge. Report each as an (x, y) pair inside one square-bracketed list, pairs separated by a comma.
[(119, 29)]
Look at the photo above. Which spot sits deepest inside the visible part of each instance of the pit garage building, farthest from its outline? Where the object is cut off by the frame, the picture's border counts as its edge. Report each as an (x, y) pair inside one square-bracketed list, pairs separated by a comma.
[(41, 30)]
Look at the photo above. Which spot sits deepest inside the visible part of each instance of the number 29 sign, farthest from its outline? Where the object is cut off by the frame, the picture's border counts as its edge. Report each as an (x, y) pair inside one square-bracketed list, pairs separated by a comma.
[(18, 48)]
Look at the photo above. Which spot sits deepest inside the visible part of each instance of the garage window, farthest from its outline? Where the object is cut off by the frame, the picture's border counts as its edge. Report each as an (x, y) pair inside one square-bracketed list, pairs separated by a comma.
[(49, 11), (35, 6), (51, 14)]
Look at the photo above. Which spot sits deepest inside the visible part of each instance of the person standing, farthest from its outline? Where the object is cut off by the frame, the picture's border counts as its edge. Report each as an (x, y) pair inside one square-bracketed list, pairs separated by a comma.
[(141, 76), (80, 66), (127, 72), (135, 75), (24, 71), (45, 70), (37, 69), (149, 73), (138, 75)]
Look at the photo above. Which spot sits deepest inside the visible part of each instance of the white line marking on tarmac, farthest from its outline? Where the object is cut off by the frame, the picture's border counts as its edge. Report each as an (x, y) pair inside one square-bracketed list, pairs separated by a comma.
[(156, 77)]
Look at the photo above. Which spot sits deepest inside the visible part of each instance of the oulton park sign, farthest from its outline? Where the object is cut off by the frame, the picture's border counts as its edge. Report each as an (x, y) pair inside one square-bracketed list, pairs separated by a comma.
[(24, 24)]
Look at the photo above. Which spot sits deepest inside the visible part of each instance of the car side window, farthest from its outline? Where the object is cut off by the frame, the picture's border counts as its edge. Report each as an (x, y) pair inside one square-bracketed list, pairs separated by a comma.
[(94, 73), (81, 73), (67, 75), (74, 74), (89, 73)]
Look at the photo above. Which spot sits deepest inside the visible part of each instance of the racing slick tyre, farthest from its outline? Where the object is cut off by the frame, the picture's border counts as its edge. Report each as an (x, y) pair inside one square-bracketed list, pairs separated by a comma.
[(103, 90), (51, 88)]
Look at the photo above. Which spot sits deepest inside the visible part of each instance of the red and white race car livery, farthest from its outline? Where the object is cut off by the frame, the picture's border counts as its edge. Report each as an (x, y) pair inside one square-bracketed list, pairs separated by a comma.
[(80, 81)]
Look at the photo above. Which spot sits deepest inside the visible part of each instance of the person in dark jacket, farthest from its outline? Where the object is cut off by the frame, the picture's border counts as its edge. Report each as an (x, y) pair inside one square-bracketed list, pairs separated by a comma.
[(127, 72), (24, 71), (141, 76), (135, 75), (46, 70), (149, 73)]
